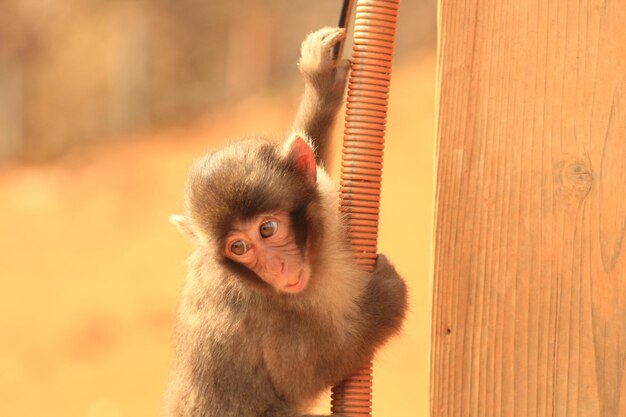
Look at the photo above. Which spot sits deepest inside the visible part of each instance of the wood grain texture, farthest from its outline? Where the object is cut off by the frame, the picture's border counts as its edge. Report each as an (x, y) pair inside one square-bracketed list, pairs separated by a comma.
[(529, 292)]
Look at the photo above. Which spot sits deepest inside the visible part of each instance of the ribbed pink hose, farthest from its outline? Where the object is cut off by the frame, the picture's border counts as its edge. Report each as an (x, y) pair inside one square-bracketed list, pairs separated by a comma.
[(362, 161)]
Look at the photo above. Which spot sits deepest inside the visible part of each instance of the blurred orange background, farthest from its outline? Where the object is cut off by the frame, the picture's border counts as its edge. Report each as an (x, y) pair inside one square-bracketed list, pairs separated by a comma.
[(90, 268)]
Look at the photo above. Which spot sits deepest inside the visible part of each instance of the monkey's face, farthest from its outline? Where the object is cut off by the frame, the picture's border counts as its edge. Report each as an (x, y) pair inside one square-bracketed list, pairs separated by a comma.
[(267, 246), (254, 205)]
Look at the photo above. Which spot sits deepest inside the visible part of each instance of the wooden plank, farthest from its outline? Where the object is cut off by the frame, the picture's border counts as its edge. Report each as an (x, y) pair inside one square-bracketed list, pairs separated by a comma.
[(529, 292)]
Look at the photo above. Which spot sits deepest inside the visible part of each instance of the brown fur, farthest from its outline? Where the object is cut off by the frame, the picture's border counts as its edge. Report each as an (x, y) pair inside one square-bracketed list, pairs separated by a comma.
[(243, 349)]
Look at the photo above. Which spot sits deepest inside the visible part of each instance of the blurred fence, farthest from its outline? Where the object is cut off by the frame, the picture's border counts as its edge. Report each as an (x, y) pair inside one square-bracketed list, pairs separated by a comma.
[(78, 71)]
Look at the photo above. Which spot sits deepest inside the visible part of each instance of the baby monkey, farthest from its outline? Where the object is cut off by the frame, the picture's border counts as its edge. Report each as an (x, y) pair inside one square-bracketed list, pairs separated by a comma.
[(274, 309)]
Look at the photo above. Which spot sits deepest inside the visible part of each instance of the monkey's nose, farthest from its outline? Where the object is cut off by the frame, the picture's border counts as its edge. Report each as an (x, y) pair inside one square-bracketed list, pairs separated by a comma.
[(278, 266)]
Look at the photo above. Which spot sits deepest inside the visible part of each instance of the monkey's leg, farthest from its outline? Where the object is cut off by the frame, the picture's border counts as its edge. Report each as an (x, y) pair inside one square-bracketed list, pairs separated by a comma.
[(284, 411), (324, 84), (324, 415)]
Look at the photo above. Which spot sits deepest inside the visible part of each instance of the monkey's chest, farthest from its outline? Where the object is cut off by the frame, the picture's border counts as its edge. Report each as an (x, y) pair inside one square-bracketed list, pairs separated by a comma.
[(299, 358)]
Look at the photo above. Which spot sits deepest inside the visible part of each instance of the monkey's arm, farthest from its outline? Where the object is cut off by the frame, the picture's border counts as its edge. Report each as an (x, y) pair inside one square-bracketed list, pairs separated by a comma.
[(324, 83), (385, 303)]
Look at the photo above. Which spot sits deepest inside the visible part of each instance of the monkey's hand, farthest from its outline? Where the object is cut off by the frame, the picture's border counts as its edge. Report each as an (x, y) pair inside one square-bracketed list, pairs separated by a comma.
[(385, 302), (318, 66)]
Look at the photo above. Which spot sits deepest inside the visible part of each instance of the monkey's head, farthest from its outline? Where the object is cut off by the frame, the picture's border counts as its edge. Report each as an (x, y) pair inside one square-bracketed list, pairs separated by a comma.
[(254, 205)]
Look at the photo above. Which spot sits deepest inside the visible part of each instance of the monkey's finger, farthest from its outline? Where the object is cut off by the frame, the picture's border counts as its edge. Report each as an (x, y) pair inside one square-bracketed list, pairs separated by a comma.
[(343, 65), (329, 40), (329, 32), (322, 41), (342, 68), (333, 37)]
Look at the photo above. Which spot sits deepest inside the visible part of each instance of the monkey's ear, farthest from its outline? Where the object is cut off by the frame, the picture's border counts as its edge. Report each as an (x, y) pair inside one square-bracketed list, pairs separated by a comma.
[(301, 153), (183, 224)]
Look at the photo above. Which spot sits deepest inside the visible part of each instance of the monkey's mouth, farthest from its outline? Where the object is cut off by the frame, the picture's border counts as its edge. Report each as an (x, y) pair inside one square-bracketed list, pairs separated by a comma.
[(296, 284)]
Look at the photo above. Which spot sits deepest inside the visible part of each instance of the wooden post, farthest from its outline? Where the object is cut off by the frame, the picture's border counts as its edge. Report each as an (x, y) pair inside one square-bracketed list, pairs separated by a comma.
[(529, 293)]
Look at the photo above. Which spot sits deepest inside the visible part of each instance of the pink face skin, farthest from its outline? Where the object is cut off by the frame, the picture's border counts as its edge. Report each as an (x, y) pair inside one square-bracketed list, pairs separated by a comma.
[(267, 246)]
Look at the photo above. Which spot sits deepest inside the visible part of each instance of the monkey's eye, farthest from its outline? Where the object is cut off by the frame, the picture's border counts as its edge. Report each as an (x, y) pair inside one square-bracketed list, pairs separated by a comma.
[(238, 247), (268, 228)]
